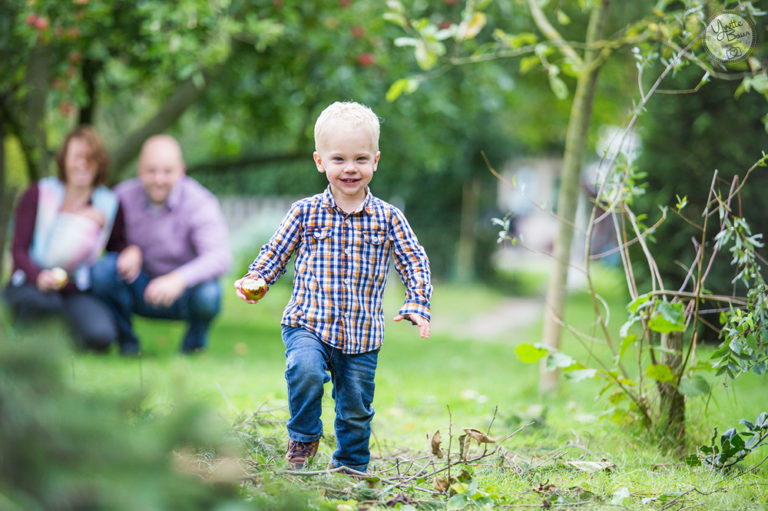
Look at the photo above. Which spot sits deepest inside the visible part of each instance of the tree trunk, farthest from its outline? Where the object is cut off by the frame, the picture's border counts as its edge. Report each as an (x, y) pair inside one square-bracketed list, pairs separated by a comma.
[(25, 119), (5, 202), (89, 73), (182, 98), (464, 269), (31, 117), (575, 142), (671, 401)]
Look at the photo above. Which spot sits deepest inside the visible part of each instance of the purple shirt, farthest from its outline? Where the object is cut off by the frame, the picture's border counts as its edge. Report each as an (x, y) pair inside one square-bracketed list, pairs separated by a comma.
[(188, 233)]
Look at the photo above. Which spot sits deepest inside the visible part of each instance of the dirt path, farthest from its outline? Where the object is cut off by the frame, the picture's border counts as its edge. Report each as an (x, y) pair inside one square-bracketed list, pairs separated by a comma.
[(507, 321)]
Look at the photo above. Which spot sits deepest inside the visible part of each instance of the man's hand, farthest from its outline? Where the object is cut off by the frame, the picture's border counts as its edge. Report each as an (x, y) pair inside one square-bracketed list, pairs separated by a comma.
[(239, 290), (129, 263), (419, 321), (164, 290)]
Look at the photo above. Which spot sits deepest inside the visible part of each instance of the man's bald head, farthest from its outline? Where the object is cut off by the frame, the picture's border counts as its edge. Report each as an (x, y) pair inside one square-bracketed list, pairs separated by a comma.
[(161, 165)]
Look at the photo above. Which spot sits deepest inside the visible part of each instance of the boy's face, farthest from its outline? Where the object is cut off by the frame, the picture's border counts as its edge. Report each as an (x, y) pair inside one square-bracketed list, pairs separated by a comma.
[(348, 157)]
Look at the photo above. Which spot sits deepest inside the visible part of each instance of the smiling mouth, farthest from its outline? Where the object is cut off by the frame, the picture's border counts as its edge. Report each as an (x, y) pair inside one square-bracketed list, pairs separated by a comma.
[(350, 181)]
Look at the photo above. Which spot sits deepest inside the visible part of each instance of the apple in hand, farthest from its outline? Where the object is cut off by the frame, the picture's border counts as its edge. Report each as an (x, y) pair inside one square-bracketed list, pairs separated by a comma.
[(61, 277), (254, 288)]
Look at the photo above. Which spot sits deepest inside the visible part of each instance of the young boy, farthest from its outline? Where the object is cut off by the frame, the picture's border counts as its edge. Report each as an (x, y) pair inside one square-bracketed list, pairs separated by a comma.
[(334, 323)]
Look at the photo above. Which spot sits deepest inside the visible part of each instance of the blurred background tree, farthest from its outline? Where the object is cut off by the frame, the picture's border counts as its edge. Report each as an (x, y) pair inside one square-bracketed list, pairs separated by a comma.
[(656, 32), (249, 78), (240, 82), (73, 62)]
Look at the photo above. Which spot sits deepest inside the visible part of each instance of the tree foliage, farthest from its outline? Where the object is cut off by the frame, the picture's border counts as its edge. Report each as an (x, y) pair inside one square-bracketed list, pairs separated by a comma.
[(683, 141), (666, 320), (241, 82)]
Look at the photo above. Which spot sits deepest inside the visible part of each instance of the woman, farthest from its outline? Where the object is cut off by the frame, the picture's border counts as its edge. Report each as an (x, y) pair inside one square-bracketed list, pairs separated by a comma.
[(62, 225)]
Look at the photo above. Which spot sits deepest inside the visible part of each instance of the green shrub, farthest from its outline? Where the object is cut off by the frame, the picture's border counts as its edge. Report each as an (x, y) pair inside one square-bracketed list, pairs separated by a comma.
[(62, 449)]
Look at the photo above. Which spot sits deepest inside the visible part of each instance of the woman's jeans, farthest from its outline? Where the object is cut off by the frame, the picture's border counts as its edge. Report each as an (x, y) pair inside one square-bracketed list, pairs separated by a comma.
[(89, 318), (308, 362)]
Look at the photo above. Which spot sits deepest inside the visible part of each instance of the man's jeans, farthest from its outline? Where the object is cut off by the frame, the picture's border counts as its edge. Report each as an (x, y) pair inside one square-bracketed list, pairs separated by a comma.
[(308, 362), (198, 306)]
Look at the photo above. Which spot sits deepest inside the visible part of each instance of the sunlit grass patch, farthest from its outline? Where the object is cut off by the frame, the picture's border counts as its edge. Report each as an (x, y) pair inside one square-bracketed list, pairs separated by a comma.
[(446, 383)]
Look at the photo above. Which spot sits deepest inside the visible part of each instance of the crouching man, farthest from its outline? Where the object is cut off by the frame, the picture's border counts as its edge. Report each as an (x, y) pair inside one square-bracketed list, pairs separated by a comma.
[(180, 250)]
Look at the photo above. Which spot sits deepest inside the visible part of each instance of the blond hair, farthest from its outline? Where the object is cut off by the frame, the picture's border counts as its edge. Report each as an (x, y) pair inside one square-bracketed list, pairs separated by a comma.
[(351, 113)]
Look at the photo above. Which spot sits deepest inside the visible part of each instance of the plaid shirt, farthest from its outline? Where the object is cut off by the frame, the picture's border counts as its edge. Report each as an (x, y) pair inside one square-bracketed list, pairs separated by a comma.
[(341, 269)]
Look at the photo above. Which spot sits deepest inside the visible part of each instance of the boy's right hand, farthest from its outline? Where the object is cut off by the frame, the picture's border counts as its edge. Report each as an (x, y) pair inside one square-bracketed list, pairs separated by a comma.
[(241, 293)]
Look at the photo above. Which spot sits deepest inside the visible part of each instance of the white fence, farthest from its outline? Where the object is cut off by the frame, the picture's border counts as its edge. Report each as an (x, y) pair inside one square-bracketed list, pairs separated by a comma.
[(252, 220)]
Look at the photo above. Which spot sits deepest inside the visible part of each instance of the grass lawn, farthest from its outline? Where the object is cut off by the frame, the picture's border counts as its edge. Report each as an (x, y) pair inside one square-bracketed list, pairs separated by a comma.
[(448, 382)]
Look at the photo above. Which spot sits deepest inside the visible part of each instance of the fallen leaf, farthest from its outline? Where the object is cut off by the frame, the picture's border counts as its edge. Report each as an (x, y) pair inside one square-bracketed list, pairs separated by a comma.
[(465, 449), (478, 435), (591, 467), (440, 484), (545, 487), (435, 444), (464, 476), (400, 498)]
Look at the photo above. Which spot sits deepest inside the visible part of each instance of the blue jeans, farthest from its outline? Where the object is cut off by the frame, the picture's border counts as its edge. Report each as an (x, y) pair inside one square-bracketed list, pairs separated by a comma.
[(308, 362), (198, 305), (88, 317)]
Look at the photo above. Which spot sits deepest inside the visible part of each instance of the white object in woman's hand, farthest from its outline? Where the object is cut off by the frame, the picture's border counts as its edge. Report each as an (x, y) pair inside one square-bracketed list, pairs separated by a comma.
[(50, 280)]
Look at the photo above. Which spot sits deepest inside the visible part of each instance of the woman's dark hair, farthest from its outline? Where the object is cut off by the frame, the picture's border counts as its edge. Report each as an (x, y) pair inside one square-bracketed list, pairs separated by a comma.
[(98, 154)]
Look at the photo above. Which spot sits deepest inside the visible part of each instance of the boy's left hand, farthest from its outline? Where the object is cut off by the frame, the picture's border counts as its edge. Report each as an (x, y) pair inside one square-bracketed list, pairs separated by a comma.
[(419, 321)]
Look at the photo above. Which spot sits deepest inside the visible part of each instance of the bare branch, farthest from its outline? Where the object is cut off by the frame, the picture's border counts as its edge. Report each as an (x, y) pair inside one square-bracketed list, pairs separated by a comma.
[(185, 95), (716, 298)]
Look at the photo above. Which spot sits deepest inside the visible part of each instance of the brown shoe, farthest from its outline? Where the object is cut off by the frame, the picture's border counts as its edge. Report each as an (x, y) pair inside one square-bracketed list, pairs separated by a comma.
[(299, 452)]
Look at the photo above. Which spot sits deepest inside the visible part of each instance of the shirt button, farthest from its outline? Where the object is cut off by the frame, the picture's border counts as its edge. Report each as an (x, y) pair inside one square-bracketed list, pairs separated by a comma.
[(348, 250), (346, 281), (346, 314)]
